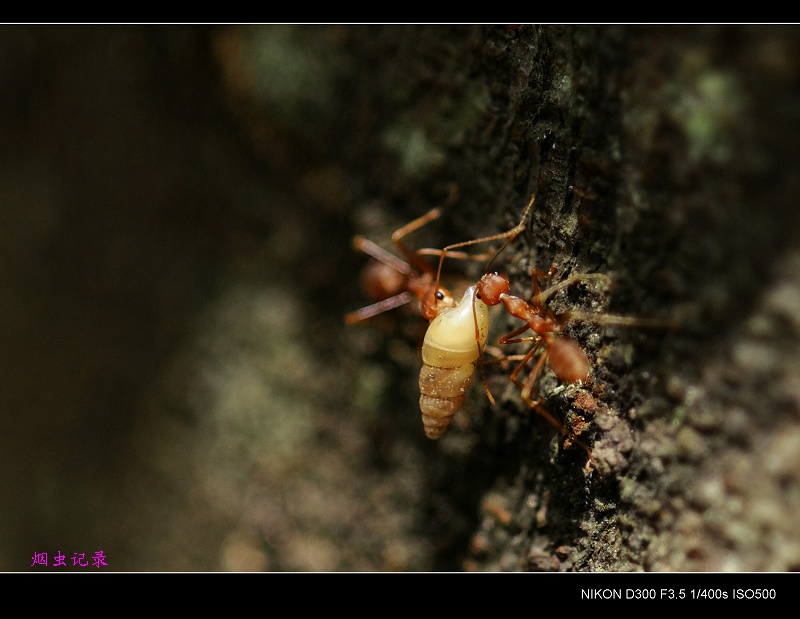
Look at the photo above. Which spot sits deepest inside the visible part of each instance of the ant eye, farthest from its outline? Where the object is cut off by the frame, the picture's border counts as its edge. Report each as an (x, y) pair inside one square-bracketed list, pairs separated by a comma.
[(439, 295)]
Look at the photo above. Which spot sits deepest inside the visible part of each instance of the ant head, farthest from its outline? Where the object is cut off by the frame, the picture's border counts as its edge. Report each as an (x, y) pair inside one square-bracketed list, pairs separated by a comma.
[(491, 286), (438, 299)]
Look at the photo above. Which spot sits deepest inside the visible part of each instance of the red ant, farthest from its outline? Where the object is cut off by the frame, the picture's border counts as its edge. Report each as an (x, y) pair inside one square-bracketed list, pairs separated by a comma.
[(567, 360), (394, 281), (565, 357)]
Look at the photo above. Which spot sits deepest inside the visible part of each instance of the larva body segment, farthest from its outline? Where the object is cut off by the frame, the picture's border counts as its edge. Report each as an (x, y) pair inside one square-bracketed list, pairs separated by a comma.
[(453, 342)]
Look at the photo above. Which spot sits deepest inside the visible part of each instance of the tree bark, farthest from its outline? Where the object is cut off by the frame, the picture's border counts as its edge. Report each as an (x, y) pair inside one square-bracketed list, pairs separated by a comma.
[(177, 256)]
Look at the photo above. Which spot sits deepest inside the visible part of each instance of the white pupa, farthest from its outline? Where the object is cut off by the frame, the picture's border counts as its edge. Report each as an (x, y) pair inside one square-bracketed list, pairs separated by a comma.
[(453, 342)]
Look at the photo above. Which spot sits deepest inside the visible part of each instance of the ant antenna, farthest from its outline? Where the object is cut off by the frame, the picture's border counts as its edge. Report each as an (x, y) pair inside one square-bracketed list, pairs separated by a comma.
[(509, 235)]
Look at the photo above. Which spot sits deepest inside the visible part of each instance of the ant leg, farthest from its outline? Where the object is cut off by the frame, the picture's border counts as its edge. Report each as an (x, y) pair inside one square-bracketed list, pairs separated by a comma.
[(510, 338), (610, 320), (377, 308), (528, 386), (564, 430), (480, 354), (458, 255), (540, 297), (528, 389), (379, 253), (600, 319), (412, 256), (515, 231), (431, 215), (522, 364), (498, 356), (509, 235), (537, 276)]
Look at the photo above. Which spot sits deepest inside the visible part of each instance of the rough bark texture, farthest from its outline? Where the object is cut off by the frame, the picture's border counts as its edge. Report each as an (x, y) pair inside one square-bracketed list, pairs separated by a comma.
[(176, 208)]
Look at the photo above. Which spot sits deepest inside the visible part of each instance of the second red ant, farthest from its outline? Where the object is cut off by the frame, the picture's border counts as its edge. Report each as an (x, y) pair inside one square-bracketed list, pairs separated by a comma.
[(563, 355)]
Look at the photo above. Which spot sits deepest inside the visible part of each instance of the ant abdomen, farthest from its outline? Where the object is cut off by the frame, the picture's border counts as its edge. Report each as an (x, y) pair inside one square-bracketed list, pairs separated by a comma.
[(381, 281), (567, 360)]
